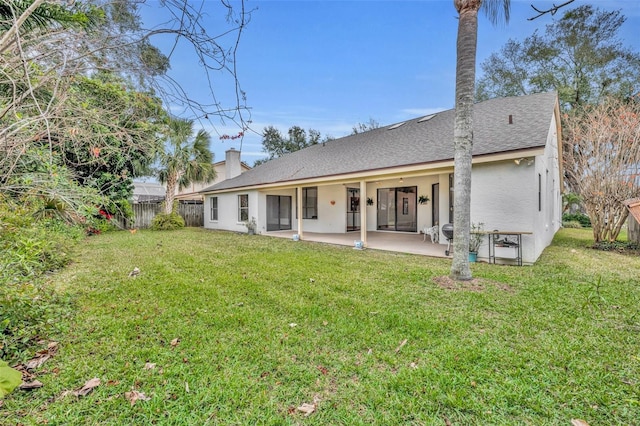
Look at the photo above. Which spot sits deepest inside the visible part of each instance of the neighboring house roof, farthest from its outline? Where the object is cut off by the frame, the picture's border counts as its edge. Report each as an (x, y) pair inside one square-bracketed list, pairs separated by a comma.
[(419, 141), (147, 191), (243, 165)]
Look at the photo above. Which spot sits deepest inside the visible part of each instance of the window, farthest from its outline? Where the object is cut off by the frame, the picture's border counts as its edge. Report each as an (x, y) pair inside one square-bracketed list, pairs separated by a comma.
[(539, 192), (310, 203), (243, 207), (214, 208)]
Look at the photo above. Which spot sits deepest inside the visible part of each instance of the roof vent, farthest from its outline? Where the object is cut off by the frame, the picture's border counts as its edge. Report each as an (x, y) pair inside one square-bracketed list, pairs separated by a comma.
[(395, 126), (426, 118)]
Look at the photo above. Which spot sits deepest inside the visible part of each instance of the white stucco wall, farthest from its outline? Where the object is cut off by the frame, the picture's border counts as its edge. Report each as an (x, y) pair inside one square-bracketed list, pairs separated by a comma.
[(228, 211), (549, 220), (504, 196)]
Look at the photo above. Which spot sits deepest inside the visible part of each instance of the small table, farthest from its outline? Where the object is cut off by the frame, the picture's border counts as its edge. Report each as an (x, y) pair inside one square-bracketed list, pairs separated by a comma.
[(508, 245)]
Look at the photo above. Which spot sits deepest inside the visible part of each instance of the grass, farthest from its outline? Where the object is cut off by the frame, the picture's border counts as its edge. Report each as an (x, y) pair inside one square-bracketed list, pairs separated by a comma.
[(265, 325)]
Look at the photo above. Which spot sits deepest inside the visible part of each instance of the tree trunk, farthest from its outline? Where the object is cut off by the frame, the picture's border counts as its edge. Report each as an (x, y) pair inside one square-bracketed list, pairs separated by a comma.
[(170, 194), (463, 135)]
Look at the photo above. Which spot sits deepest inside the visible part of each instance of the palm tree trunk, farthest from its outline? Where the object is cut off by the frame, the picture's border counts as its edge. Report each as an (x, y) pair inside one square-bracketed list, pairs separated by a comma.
[(170, 194), (463, 135)]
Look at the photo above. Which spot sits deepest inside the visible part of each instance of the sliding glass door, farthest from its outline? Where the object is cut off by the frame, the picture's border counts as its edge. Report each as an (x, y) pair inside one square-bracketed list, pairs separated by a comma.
[(397, 209), (278, 212)]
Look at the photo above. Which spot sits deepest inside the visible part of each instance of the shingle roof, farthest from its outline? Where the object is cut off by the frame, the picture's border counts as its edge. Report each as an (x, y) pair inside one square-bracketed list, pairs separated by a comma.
[(417, 141)]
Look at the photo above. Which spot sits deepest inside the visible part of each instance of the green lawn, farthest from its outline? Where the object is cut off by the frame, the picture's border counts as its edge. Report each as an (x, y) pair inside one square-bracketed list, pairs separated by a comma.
[(266, 325)]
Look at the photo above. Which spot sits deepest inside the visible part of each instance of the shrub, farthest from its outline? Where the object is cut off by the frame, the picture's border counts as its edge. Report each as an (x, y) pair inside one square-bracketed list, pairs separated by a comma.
[(572, 224), (582, 218), (29, 310), (167, 222), (619, 246)]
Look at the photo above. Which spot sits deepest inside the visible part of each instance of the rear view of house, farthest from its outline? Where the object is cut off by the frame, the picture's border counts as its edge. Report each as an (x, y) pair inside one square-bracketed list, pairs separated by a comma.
[(399, 178)]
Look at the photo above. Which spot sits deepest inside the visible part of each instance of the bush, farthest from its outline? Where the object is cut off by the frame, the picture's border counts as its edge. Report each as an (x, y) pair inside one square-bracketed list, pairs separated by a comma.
[(29, 313), (619, 246), (29, 310), (167, 222), (572, 224), (582, 218)]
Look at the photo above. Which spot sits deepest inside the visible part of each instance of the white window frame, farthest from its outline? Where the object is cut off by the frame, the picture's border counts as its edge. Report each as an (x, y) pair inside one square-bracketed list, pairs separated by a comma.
[(242, 208)]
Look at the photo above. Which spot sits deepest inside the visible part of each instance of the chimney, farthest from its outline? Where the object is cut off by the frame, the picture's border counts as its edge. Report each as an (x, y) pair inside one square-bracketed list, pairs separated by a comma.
[(232, 166)]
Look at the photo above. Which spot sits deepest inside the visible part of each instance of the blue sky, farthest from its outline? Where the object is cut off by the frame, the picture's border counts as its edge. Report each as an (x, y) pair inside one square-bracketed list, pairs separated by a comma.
[(328, 65)]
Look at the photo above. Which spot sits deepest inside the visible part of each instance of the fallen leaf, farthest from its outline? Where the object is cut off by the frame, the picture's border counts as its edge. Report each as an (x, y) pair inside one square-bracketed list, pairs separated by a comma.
[(413, 365), (293, 324), (404, 342), (135, 396), (35, 384), (447, 422), (175, 342), (135, 272), (322, 369), (578, 422), (149, 365), (325, 322), (186, 387), (35, 363), (88, 387), (307, 409)]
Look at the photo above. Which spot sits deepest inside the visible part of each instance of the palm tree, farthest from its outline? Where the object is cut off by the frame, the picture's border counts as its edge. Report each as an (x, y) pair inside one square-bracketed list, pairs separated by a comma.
[(185, 160), (463, 130)]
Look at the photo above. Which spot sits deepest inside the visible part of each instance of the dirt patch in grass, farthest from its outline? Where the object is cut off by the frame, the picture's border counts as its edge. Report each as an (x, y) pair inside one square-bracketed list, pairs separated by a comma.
[(475, 284)]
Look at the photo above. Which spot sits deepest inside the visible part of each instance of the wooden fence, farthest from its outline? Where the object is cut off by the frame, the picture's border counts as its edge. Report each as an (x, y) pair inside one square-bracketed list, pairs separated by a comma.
[(143, 214)]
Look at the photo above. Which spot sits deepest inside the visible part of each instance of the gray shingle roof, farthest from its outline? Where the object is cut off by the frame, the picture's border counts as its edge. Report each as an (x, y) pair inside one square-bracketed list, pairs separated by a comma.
[(417, 141)]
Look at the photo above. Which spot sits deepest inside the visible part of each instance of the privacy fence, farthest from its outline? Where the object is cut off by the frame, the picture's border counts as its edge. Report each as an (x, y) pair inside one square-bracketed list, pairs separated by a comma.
[(143, 213)]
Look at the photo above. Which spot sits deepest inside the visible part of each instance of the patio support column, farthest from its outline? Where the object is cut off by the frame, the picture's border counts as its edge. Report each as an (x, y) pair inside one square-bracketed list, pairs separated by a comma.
[(299, 209), (363, 212)]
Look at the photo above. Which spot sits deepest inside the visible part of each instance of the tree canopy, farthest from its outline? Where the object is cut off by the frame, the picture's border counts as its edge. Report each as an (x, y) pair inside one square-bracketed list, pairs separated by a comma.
[(185, 159), (82, 90), (604, 162), (275, 145), (579, 55)]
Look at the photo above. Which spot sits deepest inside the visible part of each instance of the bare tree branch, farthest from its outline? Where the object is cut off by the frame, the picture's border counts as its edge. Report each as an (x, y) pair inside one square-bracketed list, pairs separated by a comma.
[(551, 10)]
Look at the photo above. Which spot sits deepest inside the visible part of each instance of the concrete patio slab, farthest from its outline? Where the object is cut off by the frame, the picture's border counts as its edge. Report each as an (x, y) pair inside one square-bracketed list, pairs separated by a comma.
[(402, 242)]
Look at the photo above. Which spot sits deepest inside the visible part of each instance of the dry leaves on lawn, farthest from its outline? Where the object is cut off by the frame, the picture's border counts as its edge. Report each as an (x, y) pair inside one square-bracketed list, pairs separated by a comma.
[(149, 365), (307, 409), (175, 342), (30, 385), (135, 396), (404, 342), (578, 422), (88, 387)]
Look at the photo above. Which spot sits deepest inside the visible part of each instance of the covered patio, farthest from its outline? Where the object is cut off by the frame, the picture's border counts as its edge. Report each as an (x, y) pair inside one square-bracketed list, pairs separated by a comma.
[(389, 241)]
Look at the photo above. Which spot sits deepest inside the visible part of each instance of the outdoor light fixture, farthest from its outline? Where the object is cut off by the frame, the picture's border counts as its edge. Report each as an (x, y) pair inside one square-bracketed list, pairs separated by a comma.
[(401, 180), (520, 160)]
